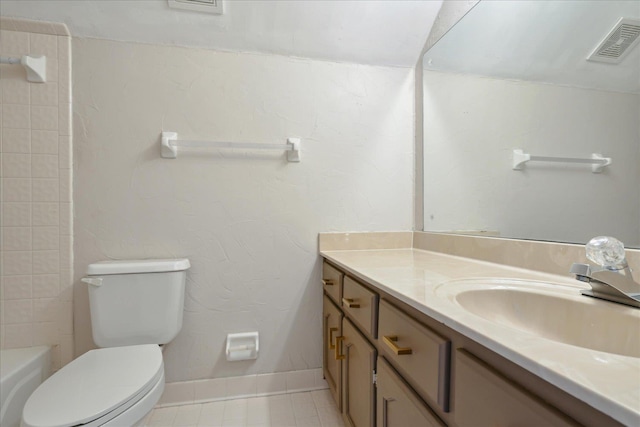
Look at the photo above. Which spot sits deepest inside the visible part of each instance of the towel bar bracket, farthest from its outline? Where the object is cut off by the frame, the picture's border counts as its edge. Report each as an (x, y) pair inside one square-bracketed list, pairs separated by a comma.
[(167, 150), (36, 66)]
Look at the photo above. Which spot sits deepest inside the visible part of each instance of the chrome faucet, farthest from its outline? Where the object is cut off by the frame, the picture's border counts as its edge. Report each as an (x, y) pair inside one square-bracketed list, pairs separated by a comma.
[(612, 279)]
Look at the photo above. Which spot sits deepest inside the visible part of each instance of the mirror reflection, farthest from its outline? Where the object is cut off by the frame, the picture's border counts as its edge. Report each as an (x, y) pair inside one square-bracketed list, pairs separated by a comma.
[(516, 75)]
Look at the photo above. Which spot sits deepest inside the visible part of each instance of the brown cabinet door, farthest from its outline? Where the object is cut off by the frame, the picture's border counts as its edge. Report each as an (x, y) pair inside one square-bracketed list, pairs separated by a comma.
[(357, 377), (332, 367), (483, 397), (398, 405)]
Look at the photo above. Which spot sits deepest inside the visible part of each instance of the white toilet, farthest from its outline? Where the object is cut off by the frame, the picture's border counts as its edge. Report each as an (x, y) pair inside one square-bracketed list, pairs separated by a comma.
[(135, 306)]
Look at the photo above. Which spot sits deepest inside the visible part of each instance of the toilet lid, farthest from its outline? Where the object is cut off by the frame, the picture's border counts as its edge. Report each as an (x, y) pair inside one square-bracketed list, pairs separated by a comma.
[(93, 385)]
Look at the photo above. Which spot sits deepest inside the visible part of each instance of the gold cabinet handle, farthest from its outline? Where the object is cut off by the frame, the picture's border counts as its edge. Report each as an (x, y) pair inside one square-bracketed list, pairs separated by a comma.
[(327, 282), (349, 303), (390, 341), (338, 341), (385, 410), (331, 331)]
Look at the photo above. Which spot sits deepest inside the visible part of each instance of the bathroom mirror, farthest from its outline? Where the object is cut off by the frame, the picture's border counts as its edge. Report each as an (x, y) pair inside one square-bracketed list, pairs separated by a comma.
[(515, 75)]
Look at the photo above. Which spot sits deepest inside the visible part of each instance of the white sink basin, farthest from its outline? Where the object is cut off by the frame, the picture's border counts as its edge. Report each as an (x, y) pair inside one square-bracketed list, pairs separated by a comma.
[(550, 311)]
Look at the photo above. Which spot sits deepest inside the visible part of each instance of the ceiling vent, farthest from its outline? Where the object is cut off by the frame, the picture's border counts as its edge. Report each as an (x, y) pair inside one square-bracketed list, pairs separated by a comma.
[(618, 43), (208, 6)]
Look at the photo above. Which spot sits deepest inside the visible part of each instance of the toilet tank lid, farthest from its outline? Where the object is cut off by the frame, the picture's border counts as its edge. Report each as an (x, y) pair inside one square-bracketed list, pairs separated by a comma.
[(137, 266)]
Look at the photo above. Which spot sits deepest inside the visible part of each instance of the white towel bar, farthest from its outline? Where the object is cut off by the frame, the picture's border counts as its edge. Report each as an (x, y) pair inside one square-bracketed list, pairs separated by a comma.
[(169, 144), (597, 162)]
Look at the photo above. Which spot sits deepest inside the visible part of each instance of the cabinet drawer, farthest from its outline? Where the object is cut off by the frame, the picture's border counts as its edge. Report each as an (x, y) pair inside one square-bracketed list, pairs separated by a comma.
[(398, 405), (332, 282), (362, 306), (420, 354), (483, 397)]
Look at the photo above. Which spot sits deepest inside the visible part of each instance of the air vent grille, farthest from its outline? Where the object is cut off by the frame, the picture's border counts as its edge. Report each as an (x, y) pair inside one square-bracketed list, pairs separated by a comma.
[(618, 43)]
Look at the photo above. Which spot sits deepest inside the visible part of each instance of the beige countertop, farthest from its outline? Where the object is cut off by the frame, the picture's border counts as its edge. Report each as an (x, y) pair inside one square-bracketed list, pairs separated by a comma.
[(608, 382)]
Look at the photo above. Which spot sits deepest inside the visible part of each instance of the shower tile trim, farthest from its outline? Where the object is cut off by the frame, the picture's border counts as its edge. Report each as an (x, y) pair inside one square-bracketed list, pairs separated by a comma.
[(32, 26)]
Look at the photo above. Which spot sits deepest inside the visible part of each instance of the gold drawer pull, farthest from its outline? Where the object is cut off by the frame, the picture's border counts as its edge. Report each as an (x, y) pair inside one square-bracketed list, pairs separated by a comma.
[(331, 331), (338, 341), (390, 341), (349, 303), (327, 282)]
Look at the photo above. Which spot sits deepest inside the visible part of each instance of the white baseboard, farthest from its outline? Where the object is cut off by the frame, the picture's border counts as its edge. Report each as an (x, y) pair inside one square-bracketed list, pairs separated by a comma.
[(200, 391)]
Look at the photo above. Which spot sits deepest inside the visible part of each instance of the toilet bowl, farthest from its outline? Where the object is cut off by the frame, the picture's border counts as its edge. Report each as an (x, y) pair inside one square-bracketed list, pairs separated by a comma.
[(111, 386), (135, 306)]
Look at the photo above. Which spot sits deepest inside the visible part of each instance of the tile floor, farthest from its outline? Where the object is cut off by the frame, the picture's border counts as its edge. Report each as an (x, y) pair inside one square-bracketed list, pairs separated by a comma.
[(314, 408)]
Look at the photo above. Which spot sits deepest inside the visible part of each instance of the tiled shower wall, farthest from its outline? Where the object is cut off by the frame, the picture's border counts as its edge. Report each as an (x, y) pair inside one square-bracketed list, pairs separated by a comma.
[(36, 192)]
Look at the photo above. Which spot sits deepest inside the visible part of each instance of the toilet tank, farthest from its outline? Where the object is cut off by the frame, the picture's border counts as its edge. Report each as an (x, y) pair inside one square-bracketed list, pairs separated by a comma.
[(137, 301)]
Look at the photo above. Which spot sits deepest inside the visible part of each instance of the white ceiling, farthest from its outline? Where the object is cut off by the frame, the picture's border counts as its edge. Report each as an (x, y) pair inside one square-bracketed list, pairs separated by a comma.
[(379, 32), (545, 41)]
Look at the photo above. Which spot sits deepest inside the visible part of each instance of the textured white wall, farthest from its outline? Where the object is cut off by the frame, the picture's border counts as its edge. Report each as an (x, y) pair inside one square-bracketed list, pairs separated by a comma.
[(247, 221), (472, 124)]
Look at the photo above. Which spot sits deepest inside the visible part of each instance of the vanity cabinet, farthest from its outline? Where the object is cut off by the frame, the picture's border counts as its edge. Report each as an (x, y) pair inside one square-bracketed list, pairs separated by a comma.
[(390, 365), (350, 313)]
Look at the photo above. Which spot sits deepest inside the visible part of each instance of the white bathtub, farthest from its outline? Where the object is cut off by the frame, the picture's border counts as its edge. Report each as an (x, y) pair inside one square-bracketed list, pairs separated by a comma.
[(22, 370)]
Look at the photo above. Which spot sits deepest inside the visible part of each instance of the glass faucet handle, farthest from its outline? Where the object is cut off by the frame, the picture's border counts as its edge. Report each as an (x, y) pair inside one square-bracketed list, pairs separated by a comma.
[(606, 252)]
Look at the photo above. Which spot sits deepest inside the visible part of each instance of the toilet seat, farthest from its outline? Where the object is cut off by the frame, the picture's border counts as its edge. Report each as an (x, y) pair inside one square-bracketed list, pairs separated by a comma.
[(96, 387)]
